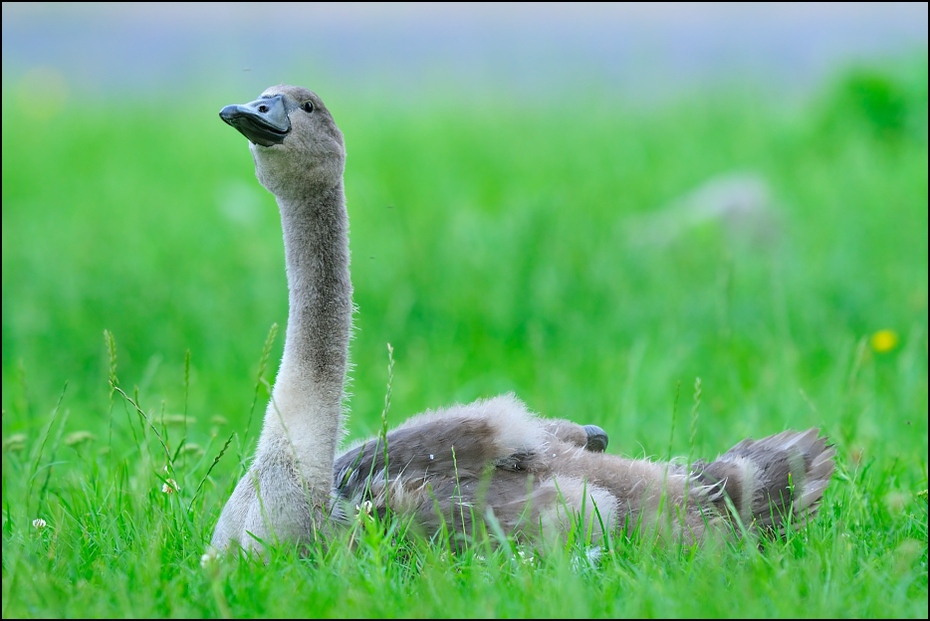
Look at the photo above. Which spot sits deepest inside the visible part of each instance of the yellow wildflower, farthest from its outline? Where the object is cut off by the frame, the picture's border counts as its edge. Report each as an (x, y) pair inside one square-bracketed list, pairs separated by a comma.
[(884, 341)]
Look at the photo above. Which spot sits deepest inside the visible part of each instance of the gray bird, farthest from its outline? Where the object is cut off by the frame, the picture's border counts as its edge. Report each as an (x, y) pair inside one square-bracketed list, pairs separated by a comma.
[(491, 460)]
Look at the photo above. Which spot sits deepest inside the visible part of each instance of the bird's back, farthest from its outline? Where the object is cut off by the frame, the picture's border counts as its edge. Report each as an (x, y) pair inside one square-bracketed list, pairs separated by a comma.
[(494, 460)]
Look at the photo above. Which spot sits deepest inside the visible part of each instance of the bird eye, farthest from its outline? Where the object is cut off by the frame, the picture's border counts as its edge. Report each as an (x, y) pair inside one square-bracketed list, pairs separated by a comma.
[(307, 106)]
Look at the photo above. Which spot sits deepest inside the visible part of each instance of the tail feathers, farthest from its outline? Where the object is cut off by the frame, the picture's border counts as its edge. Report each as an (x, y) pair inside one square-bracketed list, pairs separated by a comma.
[(772, 481)]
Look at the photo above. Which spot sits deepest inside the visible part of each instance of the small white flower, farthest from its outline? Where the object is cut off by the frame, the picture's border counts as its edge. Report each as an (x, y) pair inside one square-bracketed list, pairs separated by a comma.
[(364, 510), (170, 486), (39, 523), (208, 558)]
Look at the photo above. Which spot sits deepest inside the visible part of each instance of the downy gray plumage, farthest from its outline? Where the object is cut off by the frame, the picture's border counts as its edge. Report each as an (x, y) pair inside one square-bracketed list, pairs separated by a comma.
[(489, 460)]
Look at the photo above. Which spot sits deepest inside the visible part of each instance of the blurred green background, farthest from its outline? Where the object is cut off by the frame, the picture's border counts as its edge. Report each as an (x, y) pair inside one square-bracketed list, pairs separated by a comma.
[(629, 214), (590, 207)]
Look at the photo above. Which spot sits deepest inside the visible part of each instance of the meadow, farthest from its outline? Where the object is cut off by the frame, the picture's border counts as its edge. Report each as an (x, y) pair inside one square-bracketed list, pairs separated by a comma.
[(553, 248)]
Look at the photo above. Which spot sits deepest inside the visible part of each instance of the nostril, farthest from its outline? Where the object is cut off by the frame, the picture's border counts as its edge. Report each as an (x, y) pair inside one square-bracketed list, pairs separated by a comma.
[(263, 109)]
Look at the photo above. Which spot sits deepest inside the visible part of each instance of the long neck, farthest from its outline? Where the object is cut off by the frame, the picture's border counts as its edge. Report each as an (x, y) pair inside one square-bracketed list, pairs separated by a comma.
[(307, 398)]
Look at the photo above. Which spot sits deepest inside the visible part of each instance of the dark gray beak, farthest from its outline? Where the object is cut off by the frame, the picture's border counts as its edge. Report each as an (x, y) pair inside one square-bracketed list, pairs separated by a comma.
[(263, 121)]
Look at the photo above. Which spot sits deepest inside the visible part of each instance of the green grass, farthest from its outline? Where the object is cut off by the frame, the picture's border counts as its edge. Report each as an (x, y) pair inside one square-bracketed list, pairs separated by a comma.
[(496, 247)]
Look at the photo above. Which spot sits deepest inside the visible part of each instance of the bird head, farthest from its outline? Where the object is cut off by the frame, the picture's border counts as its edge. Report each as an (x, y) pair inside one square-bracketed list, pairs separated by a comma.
[(293, 138)]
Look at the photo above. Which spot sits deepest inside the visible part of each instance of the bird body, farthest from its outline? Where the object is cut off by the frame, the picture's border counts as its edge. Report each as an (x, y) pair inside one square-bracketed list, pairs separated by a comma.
[(491, 460)]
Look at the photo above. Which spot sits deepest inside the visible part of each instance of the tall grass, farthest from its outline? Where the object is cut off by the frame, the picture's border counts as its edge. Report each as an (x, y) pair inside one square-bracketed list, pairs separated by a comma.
[(495, 247)]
